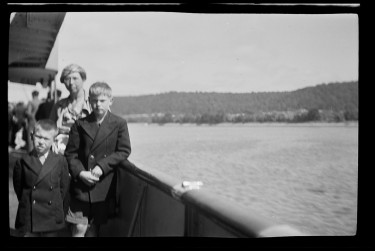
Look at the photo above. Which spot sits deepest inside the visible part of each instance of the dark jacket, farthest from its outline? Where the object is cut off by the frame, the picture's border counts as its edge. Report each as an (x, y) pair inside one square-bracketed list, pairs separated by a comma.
[(40, 190), (90, 145)]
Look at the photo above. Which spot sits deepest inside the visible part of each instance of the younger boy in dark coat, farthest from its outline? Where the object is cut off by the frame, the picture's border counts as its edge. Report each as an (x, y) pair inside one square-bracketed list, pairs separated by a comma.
[(97, 144), (41, 181)]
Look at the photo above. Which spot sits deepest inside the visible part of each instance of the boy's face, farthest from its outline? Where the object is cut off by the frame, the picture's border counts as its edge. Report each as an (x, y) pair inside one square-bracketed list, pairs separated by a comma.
[(43, 140), (100, 104)]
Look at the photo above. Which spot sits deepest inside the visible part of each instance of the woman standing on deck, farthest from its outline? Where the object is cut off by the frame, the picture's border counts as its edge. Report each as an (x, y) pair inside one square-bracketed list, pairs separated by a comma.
[(66, 111)]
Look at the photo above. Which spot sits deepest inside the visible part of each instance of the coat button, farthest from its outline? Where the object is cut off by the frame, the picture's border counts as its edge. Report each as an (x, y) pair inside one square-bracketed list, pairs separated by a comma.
[(91, 156), (34, 187), (34, 201), (49, 202), (50, 188)]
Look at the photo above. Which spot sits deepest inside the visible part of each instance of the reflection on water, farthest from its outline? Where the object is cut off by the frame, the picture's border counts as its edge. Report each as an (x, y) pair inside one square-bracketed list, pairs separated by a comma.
[(305, 176)]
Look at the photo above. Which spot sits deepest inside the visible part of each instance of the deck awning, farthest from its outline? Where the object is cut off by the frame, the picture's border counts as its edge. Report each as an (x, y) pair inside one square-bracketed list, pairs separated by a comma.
[(32, 37)]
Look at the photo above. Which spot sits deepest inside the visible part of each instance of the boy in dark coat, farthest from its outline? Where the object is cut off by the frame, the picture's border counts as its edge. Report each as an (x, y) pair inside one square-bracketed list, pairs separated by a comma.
[(41, 181), (97, 144)]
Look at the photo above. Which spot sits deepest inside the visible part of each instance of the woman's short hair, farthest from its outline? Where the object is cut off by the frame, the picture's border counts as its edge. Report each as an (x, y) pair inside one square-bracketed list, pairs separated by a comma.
[(72, 68), (99, 88)]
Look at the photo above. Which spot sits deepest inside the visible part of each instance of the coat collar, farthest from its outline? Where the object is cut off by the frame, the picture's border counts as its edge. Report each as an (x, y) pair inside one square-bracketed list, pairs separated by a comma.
[(101, 133), (33, 162), (36, 166), (90, 126)]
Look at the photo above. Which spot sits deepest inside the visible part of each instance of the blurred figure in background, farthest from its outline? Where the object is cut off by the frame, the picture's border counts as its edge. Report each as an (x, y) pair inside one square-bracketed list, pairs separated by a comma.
[(10, 116), (19, 125), (33, 105), (31, 108), (45, 108)]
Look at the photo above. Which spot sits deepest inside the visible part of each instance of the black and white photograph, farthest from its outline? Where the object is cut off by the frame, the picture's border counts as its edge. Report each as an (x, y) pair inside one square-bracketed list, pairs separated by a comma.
[(228, 121)]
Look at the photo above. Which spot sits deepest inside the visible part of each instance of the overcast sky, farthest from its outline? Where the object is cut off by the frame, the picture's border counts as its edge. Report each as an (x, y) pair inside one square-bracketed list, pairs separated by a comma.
[(154, 52)]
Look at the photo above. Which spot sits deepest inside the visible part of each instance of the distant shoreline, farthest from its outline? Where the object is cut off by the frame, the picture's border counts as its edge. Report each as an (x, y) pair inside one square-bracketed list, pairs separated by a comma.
[(257, 124)]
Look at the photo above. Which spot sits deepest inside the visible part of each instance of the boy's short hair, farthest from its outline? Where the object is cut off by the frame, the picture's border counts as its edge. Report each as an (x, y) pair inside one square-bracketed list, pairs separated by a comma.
[(47, 125), (72, 68), (100, 88)]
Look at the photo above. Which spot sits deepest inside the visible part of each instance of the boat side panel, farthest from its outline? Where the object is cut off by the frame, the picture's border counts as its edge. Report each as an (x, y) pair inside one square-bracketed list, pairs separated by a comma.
[(162, 215), (200, 226), (131, 189), (148, 211), (148, 208)]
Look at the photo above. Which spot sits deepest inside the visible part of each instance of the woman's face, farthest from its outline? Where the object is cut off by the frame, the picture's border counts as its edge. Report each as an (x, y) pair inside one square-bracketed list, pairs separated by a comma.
[(73, 82)]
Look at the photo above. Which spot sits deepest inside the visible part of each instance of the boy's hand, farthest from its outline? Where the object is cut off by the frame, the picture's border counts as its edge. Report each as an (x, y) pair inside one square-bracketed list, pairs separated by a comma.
[(97, 171), (55, 148), (88, 178), (60, 143)]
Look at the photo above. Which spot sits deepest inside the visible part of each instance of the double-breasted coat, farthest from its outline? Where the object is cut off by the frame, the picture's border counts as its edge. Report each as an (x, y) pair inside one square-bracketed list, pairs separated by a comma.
[(90, 145), (41, 190)]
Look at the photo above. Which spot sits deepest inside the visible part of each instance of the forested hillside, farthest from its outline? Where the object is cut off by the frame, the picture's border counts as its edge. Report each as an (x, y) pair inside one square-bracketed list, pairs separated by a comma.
[(333, 101)]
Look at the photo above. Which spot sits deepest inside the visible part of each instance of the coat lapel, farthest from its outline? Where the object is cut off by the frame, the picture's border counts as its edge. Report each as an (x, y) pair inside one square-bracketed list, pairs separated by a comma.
[(90, 126), (33, 163), (104, 130), (49, 165)]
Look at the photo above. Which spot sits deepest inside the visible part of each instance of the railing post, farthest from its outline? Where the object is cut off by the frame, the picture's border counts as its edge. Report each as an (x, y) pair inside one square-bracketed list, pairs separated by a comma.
[(190, 229), (137, 211)]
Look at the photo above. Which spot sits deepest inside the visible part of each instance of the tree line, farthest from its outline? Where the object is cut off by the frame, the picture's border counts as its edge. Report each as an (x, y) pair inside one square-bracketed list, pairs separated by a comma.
[(333, 102)]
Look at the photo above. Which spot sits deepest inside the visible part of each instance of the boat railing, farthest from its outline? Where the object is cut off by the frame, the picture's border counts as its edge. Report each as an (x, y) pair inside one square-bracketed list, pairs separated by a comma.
[(152, 203)]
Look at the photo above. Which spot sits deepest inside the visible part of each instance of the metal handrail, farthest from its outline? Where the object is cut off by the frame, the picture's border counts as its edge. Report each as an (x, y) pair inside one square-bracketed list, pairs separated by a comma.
[(236, 219)]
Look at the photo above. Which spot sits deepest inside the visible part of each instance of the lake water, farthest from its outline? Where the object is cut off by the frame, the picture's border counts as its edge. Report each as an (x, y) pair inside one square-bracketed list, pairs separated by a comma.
[(304, 175)]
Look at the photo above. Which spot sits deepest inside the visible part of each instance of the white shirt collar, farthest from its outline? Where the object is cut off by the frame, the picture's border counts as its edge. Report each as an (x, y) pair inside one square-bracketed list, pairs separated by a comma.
[(101, 120), (44, 155)]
